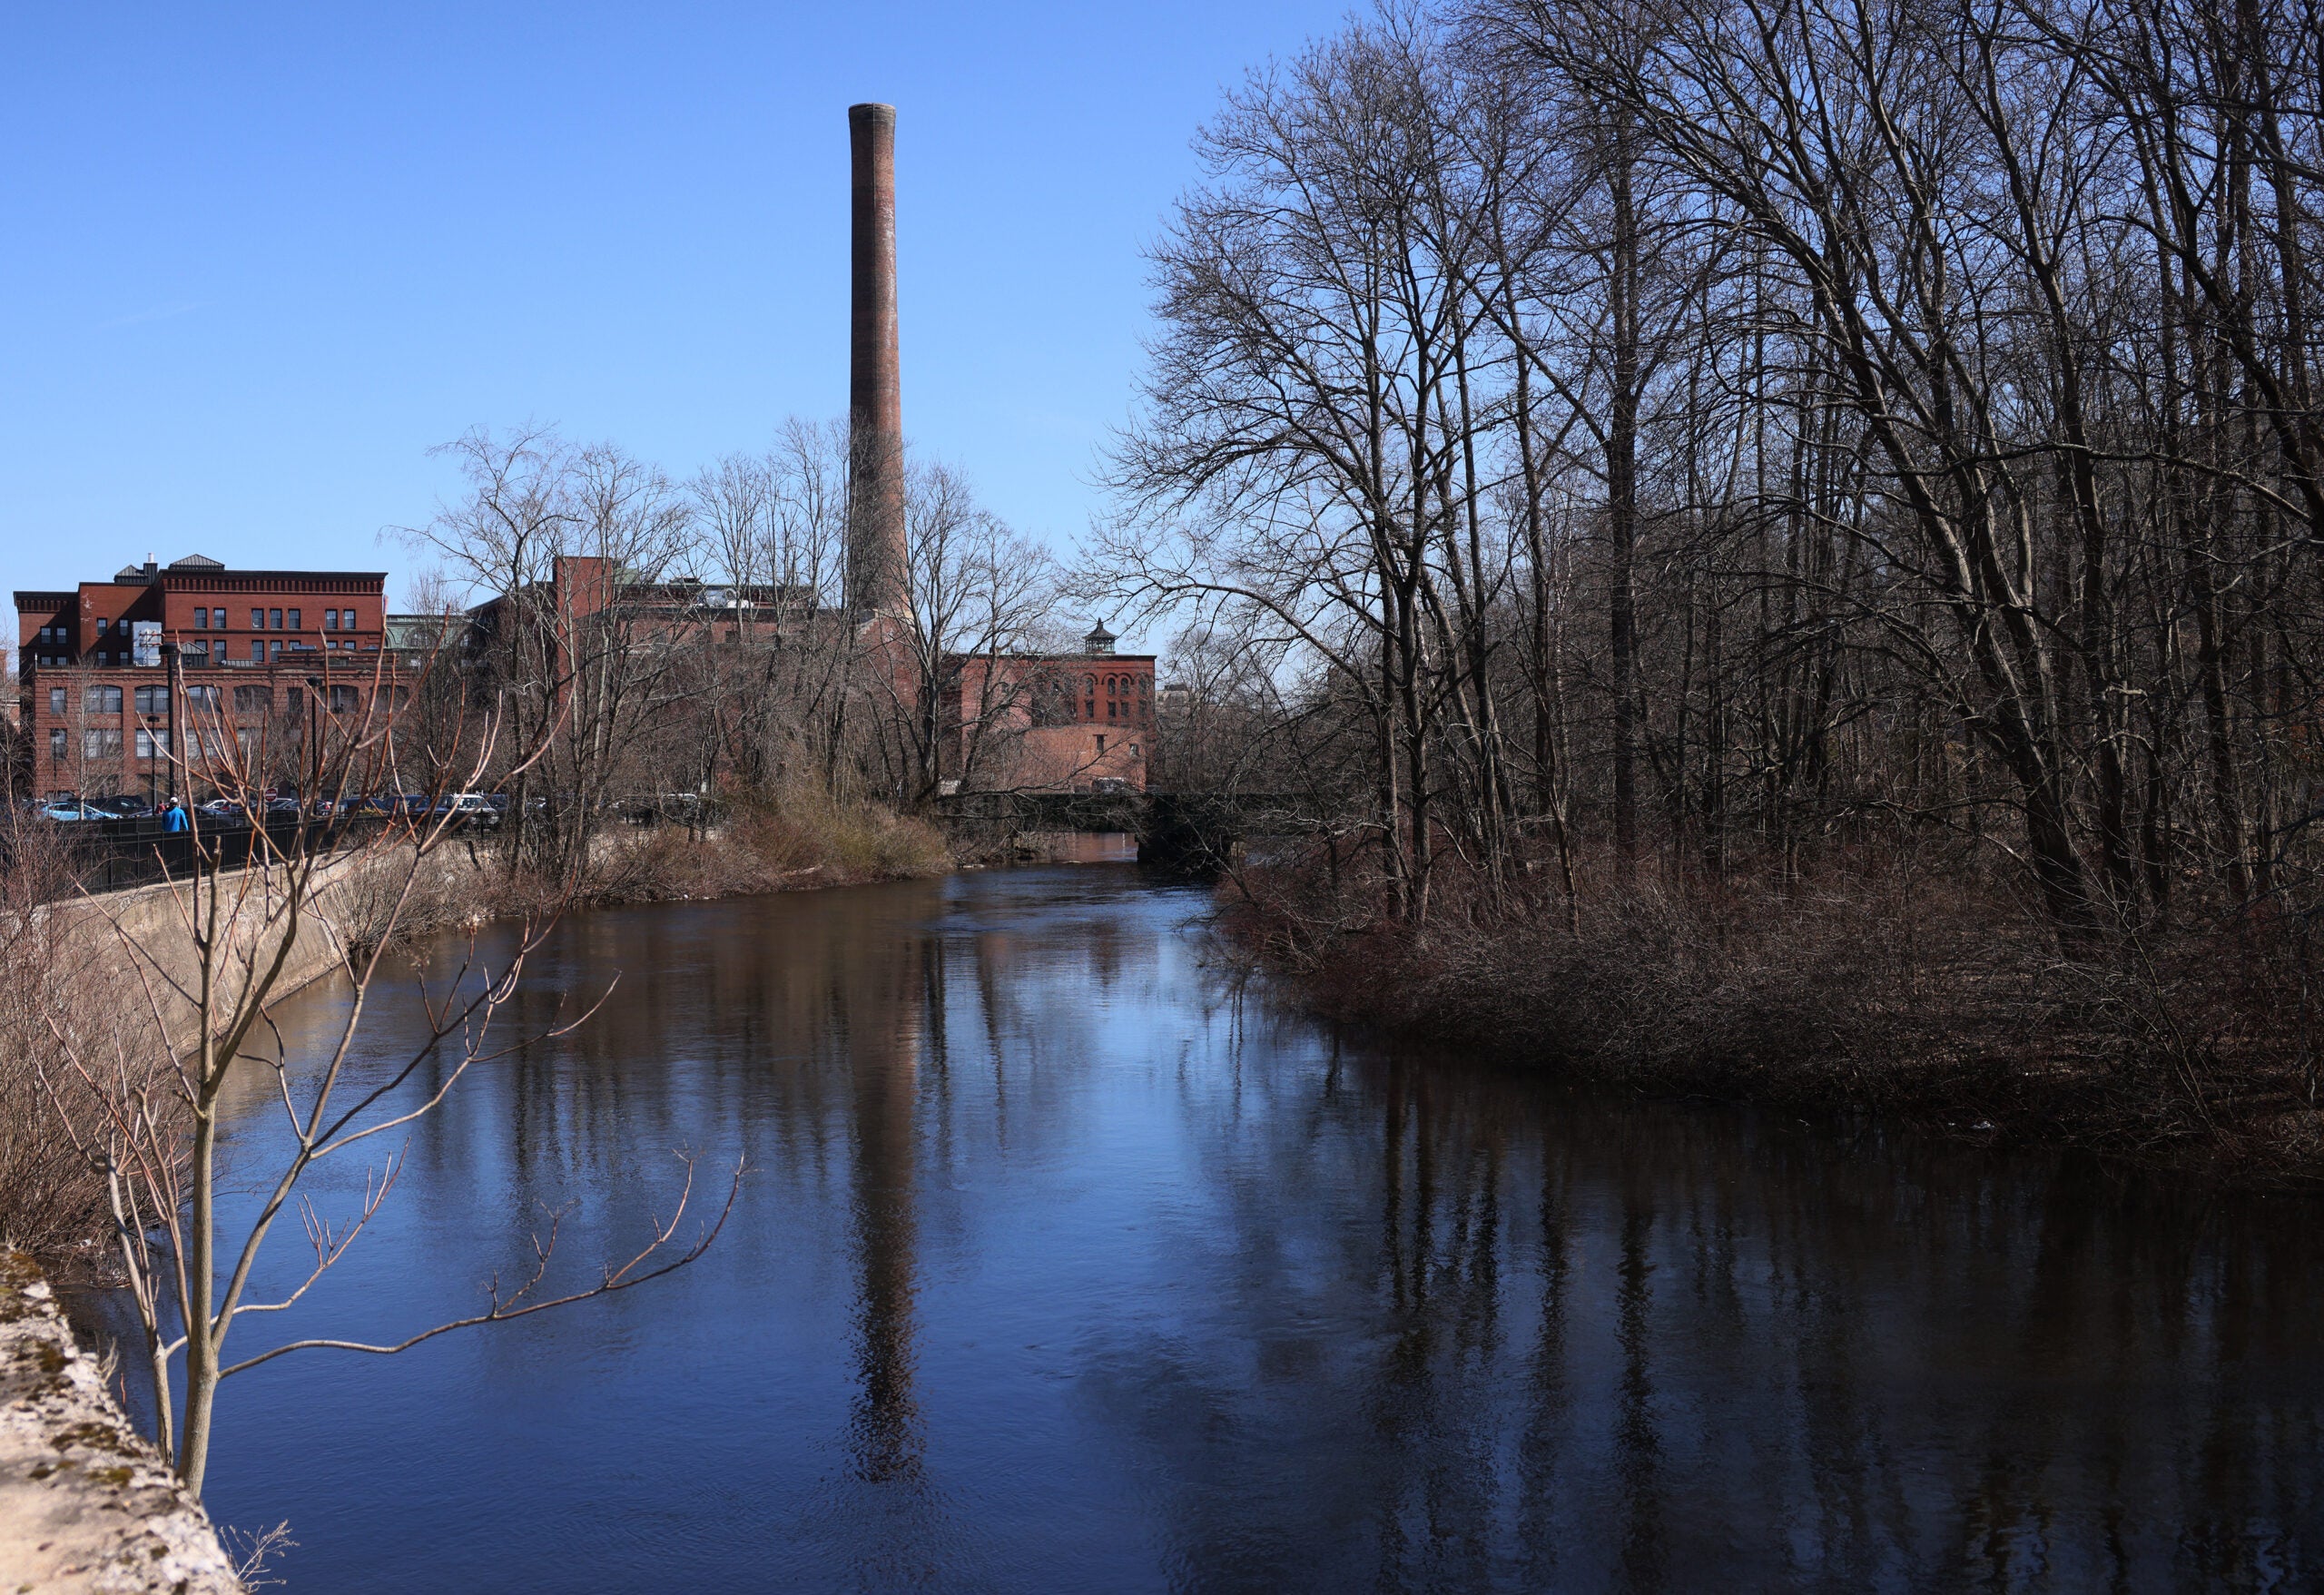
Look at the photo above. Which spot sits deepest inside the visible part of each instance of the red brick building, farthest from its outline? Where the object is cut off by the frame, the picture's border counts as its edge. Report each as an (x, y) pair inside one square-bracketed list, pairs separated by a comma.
[(1051, 722), (93, 695), (1010, 722)]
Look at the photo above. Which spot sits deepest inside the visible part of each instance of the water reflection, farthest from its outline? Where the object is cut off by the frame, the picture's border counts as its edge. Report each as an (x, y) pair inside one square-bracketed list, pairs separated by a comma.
[(1071, 1266), (882, 1040)]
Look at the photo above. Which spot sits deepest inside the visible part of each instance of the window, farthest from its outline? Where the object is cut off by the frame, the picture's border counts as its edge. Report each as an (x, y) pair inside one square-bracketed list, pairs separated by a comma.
[(294, 620), (275, 650), (56, 700), (253, 700), (201, 619), (342, 700), (101, 744), (330, 620), (57, 746), (258, 620), (152, 744), (347, 620), (202, 697), (275, 620), (153, 701), (1101, 742), (257, 650), (101, 700)]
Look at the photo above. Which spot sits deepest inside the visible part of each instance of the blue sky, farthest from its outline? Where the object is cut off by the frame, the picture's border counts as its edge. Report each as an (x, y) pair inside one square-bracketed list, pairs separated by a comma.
[(258, 260)]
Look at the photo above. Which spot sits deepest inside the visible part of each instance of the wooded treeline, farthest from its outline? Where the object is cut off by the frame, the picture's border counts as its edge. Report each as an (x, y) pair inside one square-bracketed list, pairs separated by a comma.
[(634, 635), (1742, 438)]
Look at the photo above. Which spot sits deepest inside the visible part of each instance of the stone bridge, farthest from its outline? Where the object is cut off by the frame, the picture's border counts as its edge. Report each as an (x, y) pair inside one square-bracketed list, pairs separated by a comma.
[(1191, 832)]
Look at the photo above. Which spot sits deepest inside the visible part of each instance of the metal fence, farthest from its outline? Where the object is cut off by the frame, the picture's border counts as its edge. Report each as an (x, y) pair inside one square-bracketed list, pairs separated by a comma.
[(111, 855)]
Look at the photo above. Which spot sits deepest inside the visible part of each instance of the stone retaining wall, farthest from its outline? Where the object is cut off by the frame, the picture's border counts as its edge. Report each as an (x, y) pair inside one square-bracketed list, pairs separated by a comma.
[(86, 1504)]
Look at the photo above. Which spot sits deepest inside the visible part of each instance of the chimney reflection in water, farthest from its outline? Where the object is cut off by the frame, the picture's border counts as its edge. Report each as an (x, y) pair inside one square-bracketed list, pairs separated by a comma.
[(884, 1042)]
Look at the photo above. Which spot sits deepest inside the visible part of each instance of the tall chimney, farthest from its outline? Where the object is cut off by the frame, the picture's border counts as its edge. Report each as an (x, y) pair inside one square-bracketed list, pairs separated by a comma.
[(876, 547)]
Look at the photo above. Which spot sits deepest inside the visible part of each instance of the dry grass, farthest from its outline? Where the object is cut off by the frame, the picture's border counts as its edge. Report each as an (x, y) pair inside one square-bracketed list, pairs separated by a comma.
[(52, 1199), (1933, 997), (766, 843)]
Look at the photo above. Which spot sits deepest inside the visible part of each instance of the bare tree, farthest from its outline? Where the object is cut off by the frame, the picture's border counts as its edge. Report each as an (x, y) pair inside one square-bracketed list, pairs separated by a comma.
[(144, 1103), (557, 541), (976, 592)]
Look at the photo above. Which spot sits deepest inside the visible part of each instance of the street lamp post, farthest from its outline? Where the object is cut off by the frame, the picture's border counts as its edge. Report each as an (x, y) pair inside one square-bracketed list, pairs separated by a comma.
[(169, 714), (314, 738)]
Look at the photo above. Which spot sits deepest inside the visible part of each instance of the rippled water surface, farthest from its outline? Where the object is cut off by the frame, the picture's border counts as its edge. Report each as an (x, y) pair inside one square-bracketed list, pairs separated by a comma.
[(1063, 1267)]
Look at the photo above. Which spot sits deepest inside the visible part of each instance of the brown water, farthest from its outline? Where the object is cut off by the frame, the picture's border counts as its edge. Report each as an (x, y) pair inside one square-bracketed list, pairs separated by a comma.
[(1068, 1266)]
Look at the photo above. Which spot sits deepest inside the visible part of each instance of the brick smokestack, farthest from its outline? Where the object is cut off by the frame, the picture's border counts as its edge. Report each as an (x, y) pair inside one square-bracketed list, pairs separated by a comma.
[(876, 548)]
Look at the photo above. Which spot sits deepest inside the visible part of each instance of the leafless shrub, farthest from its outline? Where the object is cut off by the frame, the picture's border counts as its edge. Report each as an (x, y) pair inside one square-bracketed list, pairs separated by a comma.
[(1938, 996), (52, 1202), (254, 1551)]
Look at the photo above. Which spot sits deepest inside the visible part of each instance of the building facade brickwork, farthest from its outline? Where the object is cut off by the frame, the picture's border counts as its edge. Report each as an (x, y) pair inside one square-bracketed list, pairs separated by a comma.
[(93, 700)]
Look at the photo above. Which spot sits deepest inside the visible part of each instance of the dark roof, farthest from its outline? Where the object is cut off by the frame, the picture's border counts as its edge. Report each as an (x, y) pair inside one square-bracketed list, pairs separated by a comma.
[(196, 562), (239, 578)]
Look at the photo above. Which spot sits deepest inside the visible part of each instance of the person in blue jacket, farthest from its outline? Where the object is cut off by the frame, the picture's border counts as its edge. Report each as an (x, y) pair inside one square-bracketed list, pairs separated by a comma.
[(173, 819)]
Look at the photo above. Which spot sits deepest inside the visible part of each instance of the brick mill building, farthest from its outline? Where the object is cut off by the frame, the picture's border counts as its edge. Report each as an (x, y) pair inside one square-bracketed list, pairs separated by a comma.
[(1019, 721), (1050, 721), (94, 697)]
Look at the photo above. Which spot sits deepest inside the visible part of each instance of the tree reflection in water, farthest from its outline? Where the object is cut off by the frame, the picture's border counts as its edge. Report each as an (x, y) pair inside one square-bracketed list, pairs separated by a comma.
[(1073, 1265)]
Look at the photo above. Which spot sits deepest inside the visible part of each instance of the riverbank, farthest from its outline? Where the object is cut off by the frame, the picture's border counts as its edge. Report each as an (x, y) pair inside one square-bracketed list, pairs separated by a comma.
[(1935, 1003), (795, 844)]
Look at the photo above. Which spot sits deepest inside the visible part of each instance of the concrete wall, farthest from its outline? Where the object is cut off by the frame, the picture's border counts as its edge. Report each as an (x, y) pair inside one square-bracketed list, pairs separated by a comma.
[(142, 937)]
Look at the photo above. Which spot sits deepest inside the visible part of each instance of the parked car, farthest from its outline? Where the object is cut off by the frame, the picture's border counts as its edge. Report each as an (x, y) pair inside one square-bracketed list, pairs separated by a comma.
[(469, 809), (72, 809), (119, 807)]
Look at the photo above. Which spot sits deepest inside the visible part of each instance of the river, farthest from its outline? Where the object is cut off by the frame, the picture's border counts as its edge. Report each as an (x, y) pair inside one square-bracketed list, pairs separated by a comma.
[(1065, 1265)]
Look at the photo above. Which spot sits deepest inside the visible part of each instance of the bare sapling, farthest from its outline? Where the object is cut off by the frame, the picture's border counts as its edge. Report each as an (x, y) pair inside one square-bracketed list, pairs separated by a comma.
[(144, 1104)]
